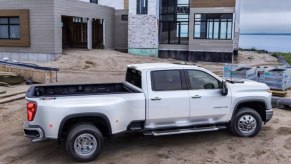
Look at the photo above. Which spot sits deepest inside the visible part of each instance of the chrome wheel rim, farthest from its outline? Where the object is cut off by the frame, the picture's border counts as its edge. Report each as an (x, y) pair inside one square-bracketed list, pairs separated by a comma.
[(85, 144), (247, 124)]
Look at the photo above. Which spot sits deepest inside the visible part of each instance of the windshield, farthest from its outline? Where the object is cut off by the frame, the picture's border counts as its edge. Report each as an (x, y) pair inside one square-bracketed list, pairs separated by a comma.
[(133, 77)]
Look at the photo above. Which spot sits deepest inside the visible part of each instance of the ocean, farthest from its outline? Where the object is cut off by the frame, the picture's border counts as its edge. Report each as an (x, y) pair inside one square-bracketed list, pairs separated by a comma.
[(271, 43)]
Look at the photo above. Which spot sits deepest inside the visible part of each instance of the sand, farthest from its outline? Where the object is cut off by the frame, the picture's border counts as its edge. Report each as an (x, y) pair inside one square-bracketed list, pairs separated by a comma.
[(272, 145)]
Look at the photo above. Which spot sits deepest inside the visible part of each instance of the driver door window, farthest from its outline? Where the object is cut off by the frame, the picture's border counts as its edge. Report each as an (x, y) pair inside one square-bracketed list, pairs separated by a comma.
[(201, 80)]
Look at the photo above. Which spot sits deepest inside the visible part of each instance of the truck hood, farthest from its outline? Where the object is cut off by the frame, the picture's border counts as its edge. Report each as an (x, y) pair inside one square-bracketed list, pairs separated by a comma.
[(247, 86)]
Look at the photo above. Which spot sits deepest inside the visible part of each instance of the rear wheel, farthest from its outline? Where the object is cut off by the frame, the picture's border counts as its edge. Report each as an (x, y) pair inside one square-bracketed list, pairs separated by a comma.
[(84, 142), (246, 123)]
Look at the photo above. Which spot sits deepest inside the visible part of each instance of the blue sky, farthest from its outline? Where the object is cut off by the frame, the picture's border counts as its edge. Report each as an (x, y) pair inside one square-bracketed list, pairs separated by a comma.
[(269, 16)]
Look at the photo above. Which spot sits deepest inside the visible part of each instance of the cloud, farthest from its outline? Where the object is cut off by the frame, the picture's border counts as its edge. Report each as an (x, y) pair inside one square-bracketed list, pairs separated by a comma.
[(266, 16), (256, 6)]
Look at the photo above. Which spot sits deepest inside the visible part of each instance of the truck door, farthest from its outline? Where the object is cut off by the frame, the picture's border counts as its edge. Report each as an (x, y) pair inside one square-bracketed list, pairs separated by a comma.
[(168, 98), (207, 105)]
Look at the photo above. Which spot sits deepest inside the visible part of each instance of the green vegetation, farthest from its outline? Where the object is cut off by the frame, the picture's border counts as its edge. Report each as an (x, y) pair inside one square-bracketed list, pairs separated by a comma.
[(253, 49), (286, 56)]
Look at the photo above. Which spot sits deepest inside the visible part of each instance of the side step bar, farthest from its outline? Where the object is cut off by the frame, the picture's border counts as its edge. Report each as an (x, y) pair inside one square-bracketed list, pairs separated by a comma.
[(184, 131)]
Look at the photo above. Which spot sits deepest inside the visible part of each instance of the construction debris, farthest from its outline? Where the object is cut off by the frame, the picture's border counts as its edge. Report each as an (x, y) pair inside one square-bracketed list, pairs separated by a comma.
[(12, 93), (30, 71), (279, 93), (12, 98), (277, 78), (10, 78), (2, 96), (4, 84)]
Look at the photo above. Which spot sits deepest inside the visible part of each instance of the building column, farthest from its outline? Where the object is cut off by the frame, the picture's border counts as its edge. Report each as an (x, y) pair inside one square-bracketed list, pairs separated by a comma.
[(89, 34)]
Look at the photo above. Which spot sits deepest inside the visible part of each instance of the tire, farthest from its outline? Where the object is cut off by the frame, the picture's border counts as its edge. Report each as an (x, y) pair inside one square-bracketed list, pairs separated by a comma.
[(246, 123), (84, 142)]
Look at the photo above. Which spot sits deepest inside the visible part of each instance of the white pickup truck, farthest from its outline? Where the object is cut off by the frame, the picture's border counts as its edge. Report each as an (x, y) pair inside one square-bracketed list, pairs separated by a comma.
[(156, 99)]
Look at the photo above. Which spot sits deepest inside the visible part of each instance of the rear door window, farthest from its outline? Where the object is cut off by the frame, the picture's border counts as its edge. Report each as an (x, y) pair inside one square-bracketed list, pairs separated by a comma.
[(133, 77), (169, 80)]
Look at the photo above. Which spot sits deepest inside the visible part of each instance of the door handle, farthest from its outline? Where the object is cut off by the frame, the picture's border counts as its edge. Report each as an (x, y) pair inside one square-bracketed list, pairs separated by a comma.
[(196, 97), (156, 99)]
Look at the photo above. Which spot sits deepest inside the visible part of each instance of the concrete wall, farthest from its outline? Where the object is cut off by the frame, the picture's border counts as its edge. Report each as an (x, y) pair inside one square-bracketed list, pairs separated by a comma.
[(121, 31), (85, 10), (206, 44), (143, 29), (41, 30)]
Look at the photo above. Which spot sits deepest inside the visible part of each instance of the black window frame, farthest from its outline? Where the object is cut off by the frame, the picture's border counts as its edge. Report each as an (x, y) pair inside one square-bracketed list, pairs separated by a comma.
[(174, 13), (182, 78), (134, 77), (11, 24), (94, 1), (219, 28), (124, 17), (142, 10), (188, 82)]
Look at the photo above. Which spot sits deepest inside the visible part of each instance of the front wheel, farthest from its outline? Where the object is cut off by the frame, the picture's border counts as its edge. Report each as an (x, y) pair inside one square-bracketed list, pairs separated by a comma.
[(246, 123), (84, 142)]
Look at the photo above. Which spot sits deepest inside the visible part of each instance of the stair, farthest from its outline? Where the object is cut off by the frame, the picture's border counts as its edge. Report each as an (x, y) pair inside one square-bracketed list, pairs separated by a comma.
[(184, 131)]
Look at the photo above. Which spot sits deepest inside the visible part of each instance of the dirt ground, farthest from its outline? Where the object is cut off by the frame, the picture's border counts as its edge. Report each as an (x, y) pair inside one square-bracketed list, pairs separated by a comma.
[(272, 145)]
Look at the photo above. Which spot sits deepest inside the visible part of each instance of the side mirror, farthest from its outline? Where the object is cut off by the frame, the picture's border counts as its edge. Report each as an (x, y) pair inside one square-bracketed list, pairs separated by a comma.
[(224, 90)]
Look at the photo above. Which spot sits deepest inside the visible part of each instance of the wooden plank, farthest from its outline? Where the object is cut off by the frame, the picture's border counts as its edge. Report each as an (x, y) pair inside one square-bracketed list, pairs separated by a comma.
[(11, 94), (13, 98), (8, 74), (11, 79), (212, 3), (125, 4), (279, 93), (4, 84)]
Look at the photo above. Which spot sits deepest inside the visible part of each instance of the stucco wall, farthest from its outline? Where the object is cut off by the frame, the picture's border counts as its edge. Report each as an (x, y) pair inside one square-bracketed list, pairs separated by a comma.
[(120, 31)]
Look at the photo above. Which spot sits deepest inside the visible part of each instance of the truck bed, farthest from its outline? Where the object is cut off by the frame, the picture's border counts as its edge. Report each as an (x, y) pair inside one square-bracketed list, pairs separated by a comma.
[(78, 90)]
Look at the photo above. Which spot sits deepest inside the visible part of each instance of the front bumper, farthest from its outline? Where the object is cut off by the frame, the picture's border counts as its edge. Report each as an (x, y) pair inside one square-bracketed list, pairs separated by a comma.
[(35, 133), (269, 115)]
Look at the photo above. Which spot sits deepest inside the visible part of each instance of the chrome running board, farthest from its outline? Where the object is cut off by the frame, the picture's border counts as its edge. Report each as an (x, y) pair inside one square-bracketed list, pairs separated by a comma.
[(184, 131)]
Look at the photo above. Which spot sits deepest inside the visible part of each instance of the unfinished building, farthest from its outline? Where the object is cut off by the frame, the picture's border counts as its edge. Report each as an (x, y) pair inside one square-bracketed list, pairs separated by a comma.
[(190, 30)]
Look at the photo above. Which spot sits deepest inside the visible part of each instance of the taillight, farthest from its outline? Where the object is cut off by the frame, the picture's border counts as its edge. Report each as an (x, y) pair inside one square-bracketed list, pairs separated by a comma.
[(31, 110)]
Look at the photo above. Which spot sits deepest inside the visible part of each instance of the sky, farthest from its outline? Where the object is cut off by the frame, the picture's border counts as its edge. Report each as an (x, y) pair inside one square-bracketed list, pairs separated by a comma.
[(266, 16), (257, 16)]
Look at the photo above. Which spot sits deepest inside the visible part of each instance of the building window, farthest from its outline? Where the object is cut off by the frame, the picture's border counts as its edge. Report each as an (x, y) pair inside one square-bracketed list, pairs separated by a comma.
[(124, 17), (174, 22), (94, 1), (142, 6), (213, 26), (9, 28)]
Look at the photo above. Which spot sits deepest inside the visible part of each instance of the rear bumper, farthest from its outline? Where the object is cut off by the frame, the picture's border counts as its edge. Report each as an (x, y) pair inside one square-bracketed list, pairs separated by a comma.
[(269, 115), (35, 133)]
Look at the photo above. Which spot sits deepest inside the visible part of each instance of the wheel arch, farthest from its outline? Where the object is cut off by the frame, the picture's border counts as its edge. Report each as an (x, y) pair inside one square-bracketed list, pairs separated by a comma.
[(258, 105), (98, 119)]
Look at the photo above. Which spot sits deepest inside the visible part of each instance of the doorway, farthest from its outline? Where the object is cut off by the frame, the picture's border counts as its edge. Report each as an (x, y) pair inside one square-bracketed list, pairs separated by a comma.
[(75, 32)]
